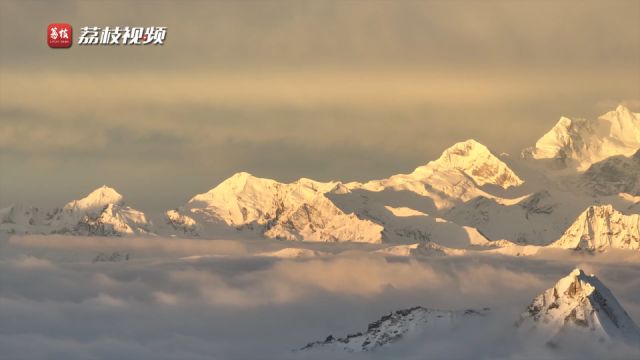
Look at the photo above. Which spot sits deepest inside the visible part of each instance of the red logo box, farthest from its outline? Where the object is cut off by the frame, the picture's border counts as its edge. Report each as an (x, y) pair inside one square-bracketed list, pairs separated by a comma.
[(59, 35)]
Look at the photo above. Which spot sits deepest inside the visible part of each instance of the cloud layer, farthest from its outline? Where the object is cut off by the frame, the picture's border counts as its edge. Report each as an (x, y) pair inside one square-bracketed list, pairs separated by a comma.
[(229, 305)]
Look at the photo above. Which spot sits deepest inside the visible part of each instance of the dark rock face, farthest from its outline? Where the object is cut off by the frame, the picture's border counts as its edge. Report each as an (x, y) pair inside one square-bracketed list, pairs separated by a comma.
[(614, 175), (393, 327), (115, 256)]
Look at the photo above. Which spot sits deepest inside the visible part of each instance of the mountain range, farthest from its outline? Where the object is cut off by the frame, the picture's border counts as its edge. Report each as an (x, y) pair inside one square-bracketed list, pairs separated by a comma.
[(578, 187)]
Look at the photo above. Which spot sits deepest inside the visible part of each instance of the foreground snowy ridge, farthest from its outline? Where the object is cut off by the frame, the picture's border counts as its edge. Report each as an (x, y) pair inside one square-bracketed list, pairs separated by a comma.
[(394, 326), (578, 305)]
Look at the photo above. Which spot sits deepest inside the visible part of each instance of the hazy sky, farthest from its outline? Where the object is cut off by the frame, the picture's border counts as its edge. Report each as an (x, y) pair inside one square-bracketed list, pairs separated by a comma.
[(327, 90)]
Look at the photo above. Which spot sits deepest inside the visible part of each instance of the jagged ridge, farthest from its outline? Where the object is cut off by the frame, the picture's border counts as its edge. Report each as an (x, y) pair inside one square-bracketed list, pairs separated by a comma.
[(393, 327), (600, 228), (456, 176), (296, 211), (578, 305)]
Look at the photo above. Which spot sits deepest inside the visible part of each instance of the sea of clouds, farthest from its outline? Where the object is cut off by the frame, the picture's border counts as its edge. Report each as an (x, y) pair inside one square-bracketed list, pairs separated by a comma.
[(213, 299)]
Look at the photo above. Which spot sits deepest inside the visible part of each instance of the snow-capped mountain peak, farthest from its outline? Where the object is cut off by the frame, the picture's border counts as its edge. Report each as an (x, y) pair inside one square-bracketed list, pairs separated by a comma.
[(582, 142), (238, 183), (622, 116), (476, 161), (622, 109), (601, 227), (96, 200), (245, 183), (295, 211), (578, 304), (455, 177), (101, 212), (237, 179)]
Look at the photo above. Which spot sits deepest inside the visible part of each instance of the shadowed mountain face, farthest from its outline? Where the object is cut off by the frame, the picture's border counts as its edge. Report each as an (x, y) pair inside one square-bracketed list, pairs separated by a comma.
[(616, 174)]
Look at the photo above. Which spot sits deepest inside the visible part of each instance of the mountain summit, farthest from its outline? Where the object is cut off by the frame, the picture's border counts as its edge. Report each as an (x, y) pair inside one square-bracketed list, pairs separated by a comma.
[(96, 200), (582, 142), (102, 212), (578, 305), (476, 161), (455, 177), (296, 211), (600, 228)]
